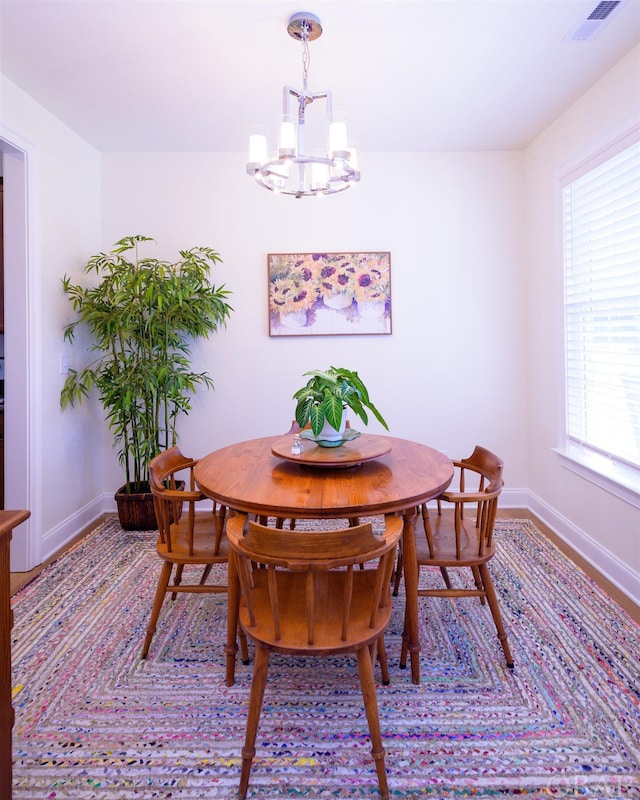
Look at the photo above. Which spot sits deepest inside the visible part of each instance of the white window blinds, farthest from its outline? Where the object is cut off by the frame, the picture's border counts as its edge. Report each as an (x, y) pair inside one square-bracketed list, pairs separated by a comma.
[(602, 307)]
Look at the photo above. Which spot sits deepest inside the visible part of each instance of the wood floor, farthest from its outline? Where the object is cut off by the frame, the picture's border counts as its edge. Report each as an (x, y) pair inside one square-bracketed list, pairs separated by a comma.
[(20, 579)]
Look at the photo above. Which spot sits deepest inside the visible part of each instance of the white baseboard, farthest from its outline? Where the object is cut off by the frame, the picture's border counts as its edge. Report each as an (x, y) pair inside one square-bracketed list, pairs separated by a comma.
[(607, 564), (514, 498), (109, 504), (57, 538)]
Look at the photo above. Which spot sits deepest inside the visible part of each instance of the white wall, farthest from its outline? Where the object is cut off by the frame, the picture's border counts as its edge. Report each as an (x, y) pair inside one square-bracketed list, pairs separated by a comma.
[(476, 344), (593, 520), (452, 374), (63, 224)]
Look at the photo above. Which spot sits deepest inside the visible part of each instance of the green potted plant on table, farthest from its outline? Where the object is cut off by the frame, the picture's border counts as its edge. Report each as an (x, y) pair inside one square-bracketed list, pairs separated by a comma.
[(143, 315), (323, 401)]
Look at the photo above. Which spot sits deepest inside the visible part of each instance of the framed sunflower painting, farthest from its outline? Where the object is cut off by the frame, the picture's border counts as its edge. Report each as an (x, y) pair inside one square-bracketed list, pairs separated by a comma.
[(323, 294)]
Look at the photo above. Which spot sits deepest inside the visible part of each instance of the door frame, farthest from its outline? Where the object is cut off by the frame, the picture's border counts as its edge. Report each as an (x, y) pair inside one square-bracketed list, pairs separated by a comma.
[(19, 159)]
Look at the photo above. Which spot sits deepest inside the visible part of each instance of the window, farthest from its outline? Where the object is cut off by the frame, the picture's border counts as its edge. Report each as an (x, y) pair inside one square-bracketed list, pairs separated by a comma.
[(601, 214)]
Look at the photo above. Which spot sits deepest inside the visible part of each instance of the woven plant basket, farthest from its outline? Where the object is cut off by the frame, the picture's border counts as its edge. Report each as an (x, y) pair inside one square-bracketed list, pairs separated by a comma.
[(135, 510)]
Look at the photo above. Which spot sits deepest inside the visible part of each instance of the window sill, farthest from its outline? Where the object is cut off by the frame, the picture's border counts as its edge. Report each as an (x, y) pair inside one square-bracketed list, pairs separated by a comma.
[(615, 478)]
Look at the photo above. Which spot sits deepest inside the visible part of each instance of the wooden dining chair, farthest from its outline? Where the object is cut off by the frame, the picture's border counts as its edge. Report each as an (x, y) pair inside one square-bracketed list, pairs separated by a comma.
[(187, 533), (457, 536), (307, 599)]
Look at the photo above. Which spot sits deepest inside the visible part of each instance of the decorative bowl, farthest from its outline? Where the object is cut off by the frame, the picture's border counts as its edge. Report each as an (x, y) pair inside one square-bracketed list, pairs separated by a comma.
[(347, 436)]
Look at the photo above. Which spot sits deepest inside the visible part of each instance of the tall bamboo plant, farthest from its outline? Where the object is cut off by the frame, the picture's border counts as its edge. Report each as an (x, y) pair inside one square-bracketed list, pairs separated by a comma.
[(143, 315)]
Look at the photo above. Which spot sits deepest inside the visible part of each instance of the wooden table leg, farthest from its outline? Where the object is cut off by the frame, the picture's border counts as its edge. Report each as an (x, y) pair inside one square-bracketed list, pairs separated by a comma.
[(233, 601), (411, 638)]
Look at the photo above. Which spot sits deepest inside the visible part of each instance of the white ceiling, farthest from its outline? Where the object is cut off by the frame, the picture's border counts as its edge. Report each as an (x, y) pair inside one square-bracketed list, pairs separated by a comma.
[(194, 75)]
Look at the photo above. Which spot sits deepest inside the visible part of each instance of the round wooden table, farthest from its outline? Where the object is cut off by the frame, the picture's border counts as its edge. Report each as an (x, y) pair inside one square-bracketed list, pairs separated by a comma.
[(249, 477)]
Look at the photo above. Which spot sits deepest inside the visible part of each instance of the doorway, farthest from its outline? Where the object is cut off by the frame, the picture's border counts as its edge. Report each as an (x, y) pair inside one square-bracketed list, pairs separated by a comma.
[(18, 490)]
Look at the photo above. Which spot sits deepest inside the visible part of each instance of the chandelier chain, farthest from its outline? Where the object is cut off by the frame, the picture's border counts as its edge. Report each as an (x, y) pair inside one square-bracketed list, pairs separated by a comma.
[(306, 56)]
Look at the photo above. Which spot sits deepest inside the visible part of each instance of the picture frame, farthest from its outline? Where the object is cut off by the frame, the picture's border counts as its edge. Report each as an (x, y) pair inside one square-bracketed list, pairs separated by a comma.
[(329, 294)]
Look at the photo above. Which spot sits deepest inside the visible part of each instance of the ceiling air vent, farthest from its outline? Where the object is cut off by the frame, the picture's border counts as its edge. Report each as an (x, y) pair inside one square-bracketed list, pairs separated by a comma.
[(594, 23)]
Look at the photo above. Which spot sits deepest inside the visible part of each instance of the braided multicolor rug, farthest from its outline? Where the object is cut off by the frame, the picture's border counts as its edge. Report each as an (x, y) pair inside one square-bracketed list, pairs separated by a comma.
[(94, 721)]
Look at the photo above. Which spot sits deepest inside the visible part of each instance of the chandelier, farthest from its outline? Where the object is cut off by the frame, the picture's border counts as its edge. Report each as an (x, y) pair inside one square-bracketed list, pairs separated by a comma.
[(304, 167)]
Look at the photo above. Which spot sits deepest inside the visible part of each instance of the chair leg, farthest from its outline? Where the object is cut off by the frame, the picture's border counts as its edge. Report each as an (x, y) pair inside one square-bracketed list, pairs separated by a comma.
[(445, 577), (205, 574), (382, 658), (478, 581), (177, 579), (404, 649), (495, 612), (221, 516), (258, 683), (367, 684), (398, 575), (244, 650), (161, 590), (280, 523)]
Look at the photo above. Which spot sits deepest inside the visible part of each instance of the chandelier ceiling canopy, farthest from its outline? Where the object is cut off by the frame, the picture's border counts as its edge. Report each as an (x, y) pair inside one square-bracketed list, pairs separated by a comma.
[(314, 156)]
